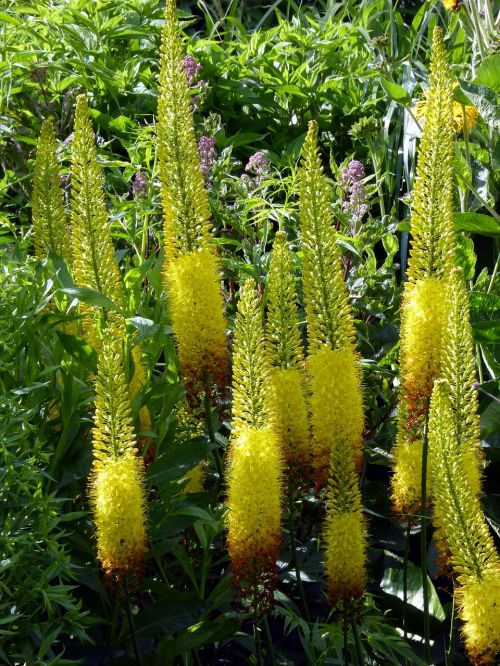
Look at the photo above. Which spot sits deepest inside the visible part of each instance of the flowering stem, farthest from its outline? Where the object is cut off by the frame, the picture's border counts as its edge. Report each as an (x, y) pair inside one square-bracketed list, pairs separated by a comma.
[(451, 647), (423, 538), (293, 546), (131, 624), (405, 578), (346, 646), (211, 437), (258, 649), (269, 640), (357, 643)]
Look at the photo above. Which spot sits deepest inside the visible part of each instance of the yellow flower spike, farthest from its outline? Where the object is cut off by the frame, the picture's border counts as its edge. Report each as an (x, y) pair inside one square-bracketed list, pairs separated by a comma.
[(254, 496), (459, 369), (422, 316), (191, 274), (288, 411), (254, 466), (344, 532), (185, 201), (118, 504), (433, 243), (431, 262), (49, 218), (250, 385), (94, 264), (282, 329), (198, 321), (458, 510), (479, 609), (329, 317), (287, 402), (116, 481), (464, 116), (336, 399), (335, 380)]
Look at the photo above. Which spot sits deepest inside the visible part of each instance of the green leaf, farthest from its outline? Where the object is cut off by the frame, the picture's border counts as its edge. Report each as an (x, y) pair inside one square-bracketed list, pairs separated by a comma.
[(487, 332), (393, 584), (465, 255), (79, 350), (490, 420), (476, 223), (488, 72), (177, 459), (396, 92), (485, 101), (90, 296)]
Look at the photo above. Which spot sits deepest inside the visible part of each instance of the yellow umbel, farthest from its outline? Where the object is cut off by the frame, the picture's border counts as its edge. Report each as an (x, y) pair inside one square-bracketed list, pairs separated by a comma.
[(254, 467), (94, 264), (49, 218), (458, 510), (430, 263), (287, 404), (336, 406), (196, 309), (344, 532), (116, 481)]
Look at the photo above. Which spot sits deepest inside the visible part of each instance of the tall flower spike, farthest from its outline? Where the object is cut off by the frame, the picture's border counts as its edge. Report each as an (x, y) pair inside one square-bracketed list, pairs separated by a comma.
[(186, 209), (458, 510), (335, 381), (459, 370), (191, 271), (344, 533), (254, 468), (49, 218), (433, 244), (94, 264), (431, 261), (287, 401), (250, 364), (329, 317), (116, 482)]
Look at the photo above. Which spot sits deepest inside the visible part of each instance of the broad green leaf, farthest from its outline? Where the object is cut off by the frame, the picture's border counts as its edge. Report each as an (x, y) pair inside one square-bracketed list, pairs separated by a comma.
[(485, 101), (396, 92), (90, 296), (476, 223), (490, 420), (488, 72), (465, 255), (79, 350), (393, 583)]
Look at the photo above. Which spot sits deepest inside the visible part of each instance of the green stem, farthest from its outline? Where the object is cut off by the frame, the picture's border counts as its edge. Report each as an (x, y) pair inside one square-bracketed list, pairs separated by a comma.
[(346, 644), (357, 643), (211, 437), (131, 625), (423, 538), (258, 648), (269, 640), (405, 579), (293, 546), (451, 647)]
